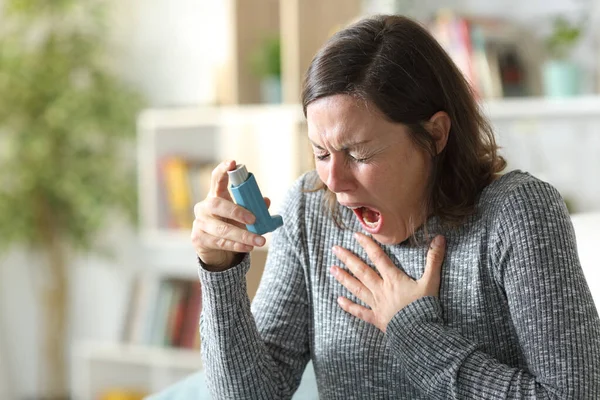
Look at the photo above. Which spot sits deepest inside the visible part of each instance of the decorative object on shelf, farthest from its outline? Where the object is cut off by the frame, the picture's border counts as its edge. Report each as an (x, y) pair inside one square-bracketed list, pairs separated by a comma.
[(561, 75), (266, 65), (65, 122), (123, 394)]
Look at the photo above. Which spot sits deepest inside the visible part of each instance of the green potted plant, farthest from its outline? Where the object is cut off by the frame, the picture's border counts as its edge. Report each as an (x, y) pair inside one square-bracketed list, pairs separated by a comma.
[(266, 65), (561, 75), (66, 122)]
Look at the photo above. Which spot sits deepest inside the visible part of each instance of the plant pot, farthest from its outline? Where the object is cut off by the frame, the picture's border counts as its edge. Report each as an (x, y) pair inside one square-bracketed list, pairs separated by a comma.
[(270, 90), (561, 78)]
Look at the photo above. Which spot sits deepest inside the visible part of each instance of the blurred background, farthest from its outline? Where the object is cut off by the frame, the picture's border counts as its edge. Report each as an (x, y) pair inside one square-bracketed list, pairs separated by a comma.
[(114, 112)]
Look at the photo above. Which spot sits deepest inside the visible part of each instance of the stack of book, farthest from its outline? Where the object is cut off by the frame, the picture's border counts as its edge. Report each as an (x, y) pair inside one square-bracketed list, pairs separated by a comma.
[(184, 183), (485, 50), (164, 312)]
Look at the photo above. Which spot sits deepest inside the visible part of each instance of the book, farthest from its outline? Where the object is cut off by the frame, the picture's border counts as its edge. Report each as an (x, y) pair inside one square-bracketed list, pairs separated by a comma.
[(174, 172), (480, 46), (190, 328), (163, 312), (184, 182)]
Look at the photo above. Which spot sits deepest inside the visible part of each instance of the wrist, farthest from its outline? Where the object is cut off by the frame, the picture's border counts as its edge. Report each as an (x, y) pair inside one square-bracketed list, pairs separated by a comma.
[(228, 263)]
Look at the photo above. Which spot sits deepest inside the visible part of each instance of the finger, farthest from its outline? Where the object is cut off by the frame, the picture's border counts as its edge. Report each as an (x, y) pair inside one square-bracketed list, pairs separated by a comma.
[(220, 179), (435, 259), (223, 208), (355, 286), (357, 310), (360, 270), (267, 202), (224, 230), (382, 262), (207, 241)]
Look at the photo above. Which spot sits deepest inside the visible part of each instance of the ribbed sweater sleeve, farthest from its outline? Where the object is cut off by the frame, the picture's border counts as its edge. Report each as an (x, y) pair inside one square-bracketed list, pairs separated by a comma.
[(262, 358), (533, 256)]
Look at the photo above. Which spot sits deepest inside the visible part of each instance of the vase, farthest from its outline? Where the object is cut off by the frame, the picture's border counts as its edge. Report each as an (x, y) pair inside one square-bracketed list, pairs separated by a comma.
[(270, 90), (561, 78)]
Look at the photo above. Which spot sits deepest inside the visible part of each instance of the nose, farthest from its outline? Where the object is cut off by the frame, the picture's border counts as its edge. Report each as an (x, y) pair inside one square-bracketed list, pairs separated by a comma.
[(339, 176)]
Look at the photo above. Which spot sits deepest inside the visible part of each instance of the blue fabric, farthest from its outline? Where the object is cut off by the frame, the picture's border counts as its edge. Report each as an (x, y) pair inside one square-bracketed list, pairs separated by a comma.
[(194, 388)]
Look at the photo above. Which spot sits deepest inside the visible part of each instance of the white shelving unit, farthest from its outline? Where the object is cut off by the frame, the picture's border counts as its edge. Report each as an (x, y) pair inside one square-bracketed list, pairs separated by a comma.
[(100, 366), (270, 140), (246, 134), (265, 138)]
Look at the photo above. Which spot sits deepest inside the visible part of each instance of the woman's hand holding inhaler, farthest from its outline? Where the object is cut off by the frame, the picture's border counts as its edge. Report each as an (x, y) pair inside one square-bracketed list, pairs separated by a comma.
[(219, 231)]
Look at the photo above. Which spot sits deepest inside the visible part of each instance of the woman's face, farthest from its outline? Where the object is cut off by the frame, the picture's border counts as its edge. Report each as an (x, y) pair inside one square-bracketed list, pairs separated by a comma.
[(371, 165)]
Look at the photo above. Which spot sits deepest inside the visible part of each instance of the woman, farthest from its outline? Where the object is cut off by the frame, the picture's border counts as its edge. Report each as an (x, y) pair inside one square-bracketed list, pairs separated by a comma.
[(407, 267)]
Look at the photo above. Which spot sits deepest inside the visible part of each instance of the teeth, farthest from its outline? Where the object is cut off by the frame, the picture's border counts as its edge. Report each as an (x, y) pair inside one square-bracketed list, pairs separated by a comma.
[(370, 224)]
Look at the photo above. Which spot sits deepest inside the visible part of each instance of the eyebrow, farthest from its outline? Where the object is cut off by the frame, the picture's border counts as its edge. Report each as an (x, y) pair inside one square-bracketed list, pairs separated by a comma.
[(344, 147)]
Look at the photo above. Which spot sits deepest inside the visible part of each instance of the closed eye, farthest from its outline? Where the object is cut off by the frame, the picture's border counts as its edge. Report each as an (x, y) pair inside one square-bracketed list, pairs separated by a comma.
[(359, 159), (324, 156)]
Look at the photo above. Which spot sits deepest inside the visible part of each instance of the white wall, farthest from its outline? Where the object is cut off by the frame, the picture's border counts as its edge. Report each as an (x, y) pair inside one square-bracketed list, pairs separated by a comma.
[(98, 292), (172, 49), (18, 325)]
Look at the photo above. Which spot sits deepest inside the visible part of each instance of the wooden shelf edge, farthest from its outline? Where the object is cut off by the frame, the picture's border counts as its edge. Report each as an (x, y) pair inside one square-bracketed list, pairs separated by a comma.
[(155, 357)]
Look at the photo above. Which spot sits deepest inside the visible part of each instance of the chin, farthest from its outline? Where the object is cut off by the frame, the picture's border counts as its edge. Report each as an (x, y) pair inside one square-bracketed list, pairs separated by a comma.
[(386, 233), (389, 239)]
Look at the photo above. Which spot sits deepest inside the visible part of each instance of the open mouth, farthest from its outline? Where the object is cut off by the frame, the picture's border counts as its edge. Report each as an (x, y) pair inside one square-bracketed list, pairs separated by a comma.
[(370, 219)]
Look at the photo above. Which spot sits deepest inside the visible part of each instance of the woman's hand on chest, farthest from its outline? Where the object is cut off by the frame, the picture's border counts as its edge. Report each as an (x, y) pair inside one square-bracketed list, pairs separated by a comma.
[(389, 291)]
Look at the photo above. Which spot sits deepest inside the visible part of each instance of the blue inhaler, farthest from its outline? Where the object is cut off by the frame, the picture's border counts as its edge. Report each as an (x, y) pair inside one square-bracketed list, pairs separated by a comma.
[(247, 194)]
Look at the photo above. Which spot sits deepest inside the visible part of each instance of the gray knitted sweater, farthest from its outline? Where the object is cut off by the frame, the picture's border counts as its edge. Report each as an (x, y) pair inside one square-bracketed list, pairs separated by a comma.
[(514, 319)]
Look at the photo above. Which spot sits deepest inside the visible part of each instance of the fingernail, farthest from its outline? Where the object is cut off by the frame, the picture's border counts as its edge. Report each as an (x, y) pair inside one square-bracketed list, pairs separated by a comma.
[(334, 249), (438, 241), (333, 270), (249, 219), (259, 240)]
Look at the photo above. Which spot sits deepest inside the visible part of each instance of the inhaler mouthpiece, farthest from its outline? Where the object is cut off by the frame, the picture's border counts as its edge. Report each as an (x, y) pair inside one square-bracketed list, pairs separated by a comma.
[(238, 175)]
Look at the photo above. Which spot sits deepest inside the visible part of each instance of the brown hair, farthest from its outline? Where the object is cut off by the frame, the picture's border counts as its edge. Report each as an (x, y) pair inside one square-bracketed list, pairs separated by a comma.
[(395, 64)]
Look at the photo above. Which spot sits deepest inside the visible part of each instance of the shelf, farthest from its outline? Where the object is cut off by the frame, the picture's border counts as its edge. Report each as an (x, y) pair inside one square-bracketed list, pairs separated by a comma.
[(498, 108), (170, 252), (177, 240), (186, 117), (536, 107), (153, 357)]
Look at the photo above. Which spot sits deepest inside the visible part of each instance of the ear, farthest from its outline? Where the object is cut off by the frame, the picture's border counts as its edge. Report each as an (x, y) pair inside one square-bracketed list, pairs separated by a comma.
[(439, 128)]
